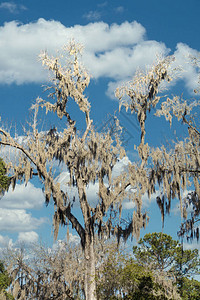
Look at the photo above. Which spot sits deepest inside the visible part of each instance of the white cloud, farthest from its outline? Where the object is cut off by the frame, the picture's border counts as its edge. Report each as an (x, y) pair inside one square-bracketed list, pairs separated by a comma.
[(128, 205), (146, 202), (14, 217), (12, 7), (61, 244), (21, 44), (5, 241), (18, 220), (120, 166), (9, 6), (28, 237), (191, 246), (100, 37), (114, 51), (92, 193), (23, 197), (92, 15), (183, 56), (25, 238)]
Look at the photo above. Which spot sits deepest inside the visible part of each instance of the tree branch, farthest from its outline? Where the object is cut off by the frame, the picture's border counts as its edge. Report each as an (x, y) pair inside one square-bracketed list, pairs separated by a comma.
[(75, 224), (192, 127)]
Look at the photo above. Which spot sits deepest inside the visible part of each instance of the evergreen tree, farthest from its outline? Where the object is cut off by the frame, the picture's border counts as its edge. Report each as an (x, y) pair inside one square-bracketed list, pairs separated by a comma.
[(5, 281), (4, 180), (163, 254)]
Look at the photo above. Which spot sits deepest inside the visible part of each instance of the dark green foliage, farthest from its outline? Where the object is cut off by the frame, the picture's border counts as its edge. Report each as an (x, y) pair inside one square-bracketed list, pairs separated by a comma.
[(4, 278), (123, 278), (190, 289), (157, 249), (165, 254), (139, 283), (4, 180), (5, 281), (160, 270)]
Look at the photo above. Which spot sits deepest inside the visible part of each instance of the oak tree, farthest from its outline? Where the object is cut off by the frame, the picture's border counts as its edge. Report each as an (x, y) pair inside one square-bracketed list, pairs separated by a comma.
[(89, 157), (173, 169)]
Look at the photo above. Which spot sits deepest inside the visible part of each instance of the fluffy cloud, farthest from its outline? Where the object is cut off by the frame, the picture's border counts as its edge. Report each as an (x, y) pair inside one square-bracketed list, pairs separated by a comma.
[(13, 215), (18, 220), (183, 56), (120, 166), (23, 197), (114, 51), (5, 241), (121, 62), (21, 44), (27, 237)]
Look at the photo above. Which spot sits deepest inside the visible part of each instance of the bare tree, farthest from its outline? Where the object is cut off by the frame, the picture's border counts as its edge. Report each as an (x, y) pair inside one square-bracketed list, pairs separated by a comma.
[(45, 273), (57, 272), (89, 157)]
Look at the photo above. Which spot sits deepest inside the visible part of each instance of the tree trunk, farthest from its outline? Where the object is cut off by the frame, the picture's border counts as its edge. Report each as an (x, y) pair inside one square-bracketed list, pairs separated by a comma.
[(87, 243), (90, 283)]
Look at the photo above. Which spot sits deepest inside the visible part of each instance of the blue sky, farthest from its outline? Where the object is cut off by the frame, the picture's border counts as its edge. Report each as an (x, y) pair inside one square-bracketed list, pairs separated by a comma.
[(119, 37)]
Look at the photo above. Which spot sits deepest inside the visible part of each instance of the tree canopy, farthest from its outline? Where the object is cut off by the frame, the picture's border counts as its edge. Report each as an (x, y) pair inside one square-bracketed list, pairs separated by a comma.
[(159, 269), (166, 254), (58, 272), (90, 156), (163, 254), (122, 277)]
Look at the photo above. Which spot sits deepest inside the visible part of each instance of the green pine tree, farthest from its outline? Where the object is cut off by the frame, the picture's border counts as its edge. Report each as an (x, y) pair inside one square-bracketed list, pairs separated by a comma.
[(164, 254)]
